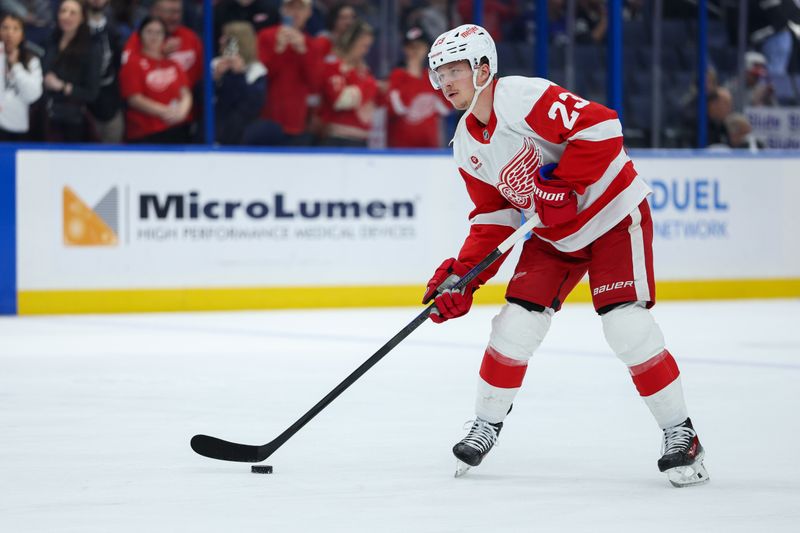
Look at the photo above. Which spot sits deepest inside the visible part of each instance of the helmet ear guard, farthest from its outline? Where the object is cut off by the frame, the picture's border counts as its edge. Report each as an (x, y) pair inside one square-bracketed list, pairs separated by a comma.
[(465, 43)]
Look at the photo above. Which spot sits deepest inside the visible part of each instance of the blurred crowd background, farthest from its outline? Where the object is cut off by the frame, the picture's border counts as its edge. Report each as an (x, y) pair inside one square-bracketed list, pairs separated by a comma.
[(354, 73)]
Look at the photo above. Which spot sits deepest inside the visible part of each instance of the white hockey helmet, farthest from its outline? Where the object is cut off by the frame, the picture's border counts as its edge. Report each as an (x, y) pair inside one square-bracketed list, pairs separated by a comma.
[(467, 42)]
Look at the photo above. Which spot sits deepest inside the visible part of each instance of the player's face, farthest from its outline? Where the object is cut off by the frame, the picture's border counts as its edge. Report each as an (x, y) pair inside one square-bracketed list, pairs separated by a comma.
[(455, 79)]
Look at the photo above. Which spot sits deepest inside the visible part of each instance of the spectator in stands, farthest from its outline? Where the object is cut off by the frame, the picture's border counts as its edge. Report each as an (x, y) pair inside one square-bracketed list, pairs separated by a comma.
[(156, 89), (37, 16), (769, 32), (72, 76), (339, 19), (107, 107), (293, 61), (182, 45), (260, 13), (739, 132), (720, 106), (688, 109), (415, 107), (241, 81), (20, 80), (433, 16), (349, 91), (758, 90), (591, 21)]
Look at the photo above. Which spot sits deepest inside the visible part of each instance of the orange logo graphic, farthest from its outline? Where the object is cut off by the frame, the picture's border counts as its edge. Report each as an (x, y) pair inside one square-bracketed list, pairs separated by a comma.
[(85, 226)]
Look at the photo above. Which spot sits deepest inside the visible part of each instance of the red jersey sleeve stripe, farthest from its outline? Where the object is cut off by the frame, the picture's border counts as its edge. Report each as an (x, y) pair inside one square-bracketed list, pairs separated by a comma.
[(608, 129), (620, 183), (585, 162), (504, 217)]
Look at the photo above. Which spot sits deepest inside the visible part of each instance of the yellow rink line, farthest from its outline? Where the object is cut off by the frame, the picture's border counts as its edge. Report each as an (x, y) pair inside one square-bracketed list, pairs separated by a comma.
[(219, 299)]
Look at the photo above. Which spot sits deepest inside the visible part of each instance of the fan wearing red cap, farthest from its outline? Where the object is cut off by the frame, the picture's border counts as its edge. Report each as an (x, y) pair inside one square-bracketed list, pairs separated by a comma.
[(415, 108)]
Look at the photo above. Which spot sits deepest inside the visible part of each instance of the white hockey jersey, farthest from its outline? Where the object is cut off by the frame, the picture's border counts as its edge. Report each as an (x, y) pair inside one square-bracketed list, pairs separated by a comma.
[(533, 123)]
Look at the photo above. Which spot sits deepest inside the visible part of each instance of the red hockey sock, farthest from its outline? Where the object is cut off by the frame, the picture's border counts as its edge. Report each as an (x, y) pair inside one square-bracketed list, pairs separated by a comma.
[(501, 371), (655, 373)]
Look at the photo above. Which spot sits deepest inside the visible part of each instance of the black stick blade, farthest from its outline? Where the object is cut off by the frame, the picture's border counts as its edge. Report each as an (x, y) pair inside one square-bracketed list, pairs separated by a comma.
[(226, 451)]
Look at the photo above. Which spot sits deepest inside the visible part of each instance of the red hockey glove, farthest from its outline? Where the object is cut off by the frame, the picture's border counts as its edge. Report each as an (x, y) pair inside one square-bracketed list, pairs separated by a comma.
[(449, 304), (554, 199)]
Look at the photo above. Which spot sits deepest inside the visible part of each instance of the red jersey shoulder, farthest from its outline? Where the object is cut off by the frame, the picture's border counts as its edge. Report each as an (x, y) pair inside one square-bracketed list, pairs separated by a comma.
[(559, 113), (555, 113)]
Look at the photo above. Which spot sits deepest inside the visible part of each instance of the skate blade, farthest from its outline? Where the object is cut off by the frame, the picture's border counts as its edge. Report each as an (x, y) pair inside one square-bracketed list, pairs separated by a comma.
[(461, 468), (688, 476)]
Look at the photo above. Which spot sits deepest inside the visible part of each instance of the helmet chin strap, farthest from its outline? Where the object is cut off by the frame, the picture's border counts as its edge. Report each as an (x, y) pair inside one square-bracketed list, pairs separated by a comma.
[(478, 90)]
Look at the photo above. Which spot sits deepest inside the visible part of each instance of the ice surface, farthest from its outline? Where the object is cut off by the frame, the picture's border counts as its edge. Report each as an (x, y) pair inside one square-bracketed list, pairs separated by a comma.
[(96, 413)]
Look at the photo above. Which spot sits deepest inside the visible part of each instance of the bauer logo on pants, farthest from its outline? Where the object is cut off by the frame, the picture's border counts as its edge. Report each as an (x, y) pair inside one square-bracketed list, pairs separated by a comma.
[(95, 226), (611, 287)]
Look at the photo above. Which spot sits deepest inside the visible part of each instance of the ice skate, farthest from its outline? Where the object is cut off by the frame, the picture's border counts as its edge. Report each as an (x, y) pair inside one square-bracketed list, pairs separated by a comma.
[(682, 458), (471, 450)]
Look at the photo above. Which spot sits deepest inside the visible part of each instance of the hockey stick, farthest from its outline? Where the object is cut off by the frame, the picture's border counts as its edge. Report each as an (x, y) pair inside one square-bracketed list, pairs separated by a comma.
[(230, 451)]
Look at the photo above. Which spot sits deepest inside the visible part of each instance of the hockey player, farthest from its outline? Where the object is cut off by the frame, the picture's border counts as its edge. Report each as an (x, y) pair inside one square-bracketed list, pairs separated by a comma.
[(527, 145)]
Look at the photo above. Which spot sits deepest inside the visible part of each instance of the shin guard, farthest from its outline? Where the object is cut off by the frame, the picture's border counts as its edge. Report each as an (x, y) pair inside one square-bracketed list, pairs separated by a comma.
[(516, 334), (637, 340)]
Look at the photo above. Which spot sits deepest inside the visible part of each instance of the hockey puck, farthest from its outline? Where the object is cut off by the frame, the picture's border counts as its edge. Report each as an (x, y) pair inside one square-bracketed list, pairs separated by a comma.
[(261, 469)]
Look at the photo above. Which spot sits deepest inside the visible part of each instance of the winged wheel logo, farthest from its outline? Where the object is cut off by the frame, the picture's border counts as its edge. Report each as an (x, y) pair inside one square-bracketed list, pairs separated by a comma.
[(516, 177)]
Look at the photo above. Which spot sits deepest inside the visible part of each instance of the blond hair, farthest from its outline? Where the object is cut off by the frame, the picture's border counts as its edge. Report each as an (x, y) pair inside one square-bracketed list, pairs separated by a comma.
[(245, 36)]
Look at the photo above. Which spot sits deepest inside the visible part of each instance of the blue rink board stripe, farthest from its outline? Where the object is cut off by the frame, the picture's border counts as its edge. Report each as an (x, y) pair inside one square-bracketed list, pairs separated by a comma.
[(8, 233), (435, 152)]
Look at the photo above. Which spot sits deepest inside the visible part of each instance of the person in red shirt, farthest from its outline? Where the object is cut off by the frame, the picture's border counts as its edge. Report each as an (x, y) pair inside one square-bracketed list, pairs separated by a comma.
[(415, 107), (293, 62), (182, 45), (156, 89), (349, 91)]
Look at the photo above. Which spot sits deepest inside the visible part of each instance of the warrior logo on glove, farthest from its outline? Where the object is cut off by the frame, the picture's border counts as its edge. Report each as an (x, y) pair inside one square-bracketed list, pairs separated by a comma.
[(516, 178)]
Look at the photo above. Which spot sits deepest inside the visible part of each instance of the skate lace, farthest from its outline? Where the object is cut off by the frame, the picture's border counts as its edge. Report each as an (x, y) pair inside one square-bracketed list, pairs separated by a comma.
[(677, 439), (482, 435)]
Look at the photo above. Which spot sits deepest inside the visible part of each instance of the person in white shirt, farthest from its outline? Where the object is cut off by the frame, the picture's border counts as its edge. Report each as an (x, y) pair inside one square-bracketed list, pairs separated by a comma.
[(20, 80)]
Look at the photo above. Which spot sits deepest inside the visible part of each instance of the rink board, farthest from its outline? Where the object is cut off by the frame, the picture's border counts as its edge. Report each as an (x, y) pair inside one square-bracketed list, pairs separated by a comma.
[(132, 230)]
